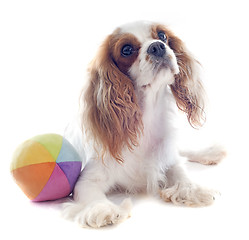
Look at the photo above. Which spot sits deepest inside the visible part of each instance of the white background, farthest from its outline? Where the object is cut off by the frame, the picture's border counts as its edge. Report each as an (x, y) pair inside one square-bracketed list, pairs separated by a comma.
[(45, 47)]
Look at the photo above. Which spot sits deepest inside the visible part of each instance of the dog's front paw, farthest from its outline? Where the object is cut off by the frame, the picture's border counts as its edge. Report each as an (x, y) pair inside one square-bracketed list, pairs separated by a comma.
[(188, 194), (102, 213)]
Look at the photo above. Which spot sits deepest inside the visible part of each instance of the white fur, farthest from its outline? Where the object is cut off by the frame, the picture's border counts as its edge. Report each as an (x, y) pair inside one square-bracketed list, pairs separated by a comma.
[(154, 166)]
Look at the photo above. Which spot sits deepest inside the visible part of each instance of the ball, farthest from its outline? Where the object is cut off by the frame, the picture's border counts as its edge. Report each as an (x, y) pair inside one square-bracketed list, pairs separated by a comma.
[(46, 167)]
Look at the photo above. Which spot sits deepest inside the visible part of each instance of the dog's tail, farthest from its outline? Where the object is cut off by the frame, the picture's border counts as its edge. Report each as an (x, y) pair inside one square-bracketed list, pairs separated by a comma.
[(209, 156)]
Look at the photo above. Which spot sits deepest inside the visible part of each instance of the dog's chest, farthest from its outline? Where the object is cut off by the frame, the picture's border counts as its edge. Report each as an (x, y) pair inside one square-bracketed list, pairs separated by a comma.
[(155, 119)]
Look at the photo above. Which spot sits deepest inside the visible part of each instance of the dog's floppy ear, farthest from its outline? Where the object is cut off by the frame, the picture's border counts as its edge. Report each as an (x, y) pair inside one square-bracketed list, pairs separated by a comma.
[(112, 116), (187, 88)]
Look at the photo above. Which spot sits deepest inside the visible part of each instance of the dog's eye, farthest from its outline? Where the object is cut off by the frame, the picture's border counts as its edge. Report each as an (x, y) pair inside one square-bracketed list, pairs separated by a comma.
[(162, 36), (127, 50)]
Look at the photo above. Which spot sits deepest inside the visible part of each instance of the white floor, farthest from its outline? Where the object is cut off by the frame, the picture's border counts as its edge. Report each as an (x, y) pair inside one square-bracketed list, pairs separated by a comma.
[(150, 216)]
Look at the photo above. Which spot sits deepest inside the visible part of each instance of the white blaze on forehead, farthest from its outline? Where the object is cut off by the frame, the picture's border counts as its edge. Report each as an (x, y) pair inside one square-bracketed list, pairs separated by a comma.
[(141, 30)]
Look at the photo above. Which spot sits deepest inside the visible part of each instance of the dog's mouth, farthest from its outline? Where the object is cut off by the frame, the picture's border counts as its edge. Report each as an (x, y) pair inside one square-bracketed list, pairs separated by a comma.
[(166, 62), (163, 70), (161, 57)]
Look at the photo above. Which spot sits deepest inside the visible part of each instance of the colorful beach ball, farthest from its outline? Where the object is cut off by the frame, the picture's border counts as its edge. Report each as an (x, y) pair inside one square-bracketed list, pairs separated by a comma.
[(46, 167)]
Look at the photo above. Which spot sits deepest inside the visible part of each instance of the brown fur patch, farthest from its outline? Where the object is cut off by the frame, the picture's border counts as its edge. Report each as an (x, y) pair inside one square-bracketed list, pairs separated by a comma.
[(155, 29), (112, 115), (116, 45), (189, 99)]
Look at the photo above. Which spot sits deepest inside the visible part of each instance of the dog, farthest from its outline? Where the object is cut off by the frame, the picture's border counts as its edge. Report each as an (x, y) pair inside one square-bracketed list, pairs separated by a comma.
[(142, 77)]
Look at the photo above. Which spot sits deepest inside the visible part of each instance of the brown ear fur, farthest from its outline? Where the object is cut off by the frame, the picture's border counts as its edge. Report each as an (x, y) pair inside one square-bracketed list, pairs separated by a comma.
[(187, 88), (111, 116)]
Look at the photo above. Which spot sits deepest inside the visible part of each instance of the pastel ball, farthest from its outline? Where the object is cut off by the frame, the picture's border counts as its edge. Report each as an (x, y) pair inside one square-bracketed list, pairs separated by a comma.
[(46, 167)]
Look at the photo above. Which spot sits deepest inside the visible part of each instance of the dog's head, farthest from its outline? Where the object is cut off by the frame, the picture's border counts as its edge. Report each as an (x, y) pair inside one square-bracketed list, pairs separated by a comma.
[(135, 57), (142, 52)]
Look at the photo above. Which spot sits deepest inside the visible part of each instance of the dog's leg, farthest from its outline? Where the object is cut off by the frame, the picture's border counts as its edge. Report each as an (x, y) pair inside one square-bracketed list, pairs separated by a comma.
[(90, 207), (180, 190), (210, 156)]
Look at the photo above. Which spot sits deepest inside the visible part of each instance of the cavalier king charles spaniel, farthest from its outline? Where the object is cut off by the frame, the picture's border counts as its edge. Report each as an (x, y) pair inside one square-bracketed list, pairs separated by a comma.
[(141, 77)]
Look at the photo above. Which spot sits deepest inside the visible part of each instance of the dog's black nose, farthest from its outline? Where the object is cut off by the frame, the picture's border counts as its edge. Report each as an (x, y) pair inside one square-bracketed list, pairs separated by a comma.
[(157, 49)]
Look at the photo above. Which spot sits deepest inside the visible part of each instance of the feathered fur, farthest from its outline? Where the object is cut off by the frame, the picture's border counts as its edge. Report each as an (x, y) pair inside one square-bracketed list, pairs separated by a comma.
[(141, 74), (112, 115)]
